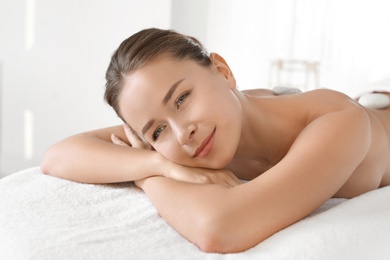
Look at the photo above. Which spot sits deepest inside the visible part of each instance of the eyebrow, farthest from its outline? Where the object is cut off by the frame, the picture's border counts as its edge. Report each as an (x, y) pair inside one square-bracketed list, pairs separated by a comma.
[(167, 97), (147, 126), (170, 92)]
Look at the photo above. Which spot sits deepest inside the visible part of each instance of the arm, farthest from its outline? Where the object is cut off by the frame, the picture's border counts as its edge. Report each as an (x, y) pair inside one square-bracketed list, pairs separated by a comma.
[(116, 154), (221, 219), (92, 158)]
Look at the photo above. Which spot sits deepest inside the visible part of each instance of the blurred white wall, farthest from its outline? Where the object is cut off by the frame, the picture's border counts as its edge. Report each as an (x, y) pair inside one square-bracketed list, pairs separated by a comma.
[(53, 57), (349, 38), (53, 54)]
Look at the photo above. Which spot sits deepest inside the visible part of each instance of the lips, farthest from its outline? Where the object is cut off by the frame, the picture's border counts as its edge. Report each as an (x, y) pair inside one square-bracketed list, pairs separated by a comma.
[(206, 146)]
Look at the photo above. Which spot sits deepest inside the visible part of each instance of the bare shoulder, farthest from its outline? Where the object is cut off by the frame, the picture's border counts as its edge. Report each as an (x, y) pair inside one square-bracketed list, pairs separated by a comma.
[(314, 96), (322, 153), (304, 107), (260, 92), (323, 101), (327, 96)]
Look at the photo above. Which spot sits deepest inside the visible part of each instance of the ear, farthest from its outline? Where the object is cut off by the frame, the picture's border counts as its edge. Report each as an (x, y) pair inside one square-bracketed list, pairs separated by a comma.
[(222, 67)]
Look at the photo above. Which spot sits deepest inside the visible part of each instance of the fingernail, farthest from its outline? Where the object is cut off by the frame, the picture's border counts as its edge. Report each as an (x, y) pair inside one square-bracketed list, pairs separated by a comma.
[(127, 126)]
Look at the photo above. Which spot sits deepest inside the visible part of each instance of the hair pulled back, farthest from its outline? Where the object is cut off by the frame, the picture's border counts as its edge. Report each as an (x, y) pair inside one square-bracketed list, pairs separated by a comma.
[(140, 48)]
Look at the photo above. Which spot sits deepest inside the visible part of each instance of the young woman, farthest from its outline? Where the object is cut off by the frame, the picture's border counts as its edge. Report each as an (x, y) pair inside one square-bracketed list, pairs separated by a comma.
[(190, 135)]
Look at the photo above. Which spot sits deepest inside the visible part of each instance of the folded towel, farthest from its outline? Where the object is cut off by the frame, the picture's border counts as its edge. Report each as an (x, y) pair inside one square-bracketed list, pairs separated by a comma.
[(43, 217)]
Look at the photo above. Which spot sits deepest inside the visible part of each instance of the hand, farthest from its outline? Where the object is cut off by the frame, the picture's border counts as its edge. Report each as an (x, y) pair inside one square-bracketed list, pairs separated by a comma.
[(202, 175), (199, 176), (132, 138), (180, 172)]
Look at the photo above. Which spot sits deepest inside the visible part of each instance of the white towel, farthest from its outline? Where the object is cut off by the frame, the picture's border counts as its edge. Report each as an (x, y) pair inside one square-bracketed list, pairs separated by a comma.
[(43, 217)]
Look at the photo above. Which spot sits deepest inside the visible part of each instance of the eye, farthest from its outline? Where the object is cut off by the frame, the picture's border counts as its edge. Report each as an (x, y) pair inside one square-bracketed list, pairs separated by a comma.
[(181, 99), (157, 132)]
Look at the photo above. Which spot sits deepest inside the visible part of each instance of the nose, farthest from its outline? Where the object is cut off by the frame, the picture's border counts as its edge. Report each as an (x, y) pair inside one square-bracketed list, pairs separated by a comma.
[(184, 133)]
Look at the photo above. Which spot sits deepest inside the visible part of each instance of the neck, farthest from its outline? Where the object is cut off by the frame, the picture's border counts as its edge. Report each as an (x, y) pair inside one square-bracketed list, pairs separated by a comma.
[(264, 136)]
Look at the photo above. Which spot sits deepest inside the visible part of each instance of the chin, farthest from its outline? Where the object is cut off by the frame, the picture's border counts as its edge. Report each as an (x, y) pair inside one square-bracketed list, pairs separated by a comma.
[(219, 163), (215, 162)]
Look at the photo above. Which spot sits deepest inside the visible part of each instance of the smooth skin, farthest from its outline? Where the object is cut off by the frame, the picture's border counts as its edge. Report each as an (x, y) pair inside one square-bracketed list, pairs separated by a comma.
[(297, 151)]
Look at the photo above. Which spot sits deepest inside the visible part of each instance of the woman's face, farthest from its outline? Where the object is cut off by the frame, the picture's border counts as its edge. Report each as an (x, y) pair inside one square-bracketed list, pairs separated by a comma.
[(189, 113)]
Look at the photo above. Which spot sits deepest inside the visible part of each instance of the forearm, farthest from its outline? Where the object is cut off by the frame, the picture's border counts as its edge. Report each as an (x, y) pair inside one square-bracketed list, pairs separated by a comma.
[(85, 158), (215, 217), (194, 210)]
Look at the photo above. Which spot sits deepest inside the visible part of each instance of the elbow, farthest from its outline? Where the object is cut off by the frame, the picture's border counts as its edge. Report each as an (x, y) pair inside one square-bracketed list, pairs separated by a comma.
[(211, 244), (48, 162), (45, 167), (218, 235)]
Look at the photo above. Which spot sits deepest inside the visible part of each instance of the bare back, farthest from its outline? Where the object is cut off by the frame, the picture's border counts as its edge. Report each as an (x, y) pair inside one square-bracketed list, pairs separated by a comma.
[(372, 172)]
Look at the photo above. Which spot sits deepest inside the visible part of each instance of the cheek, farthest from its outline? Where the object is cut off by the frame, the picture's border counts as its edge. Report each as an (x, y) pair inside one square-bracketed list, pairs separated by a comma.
[(227, 109), (168, 150)]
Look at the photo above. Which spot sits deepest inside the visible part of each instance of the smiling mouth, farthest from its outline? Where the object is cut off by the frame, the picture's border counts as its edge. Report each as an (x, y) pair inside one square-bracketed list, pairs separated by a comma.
[(206, 146)]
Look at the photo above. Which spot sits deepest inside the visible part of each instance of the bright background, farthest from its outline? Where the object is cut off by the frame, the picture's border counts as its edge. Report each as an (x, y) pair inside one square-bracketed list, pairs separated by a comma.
[(53, 54)]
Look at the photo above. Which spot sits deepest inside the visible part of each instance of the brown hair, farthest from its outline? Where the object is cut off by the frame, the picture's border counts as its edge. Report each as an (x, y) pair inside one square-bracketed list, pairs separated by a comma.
[(134, 52)]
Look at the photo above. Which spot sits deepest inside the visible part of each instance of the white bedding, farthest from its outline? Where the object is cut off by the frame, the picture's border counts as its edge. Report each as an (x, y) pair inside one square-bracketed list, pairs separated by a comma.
[(42, 217)]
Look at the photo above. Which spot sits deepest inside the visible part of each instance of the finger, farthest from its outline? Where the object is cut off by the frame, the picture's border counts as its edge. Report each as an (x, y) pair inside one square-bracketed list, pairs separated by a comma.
[(234, 182), (115, 139), (230, 183), (234, 177), (132, 137)]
